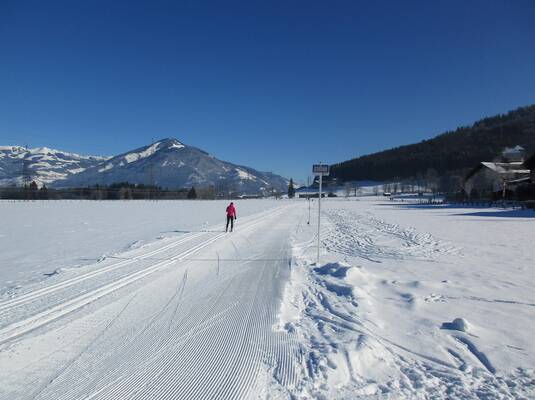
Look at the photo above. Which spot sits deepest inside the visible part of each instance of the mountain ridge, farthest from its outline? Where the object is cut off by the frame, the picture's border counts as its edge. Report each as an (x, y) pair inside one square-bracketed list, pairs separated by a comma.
[(166, 163), (43, 165), (450, 153)]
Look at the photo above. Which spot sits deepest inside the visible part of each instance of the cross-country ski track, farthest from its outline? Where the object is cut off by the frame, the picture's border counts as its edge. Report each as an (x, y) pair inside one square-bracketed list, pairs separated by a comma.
[(408, 302), (188, 317)]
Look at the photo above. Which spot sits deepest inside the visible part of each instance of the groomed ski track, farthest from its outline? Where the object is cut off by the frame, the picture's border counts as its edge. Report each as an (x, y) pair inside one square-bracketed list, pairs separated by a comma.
[(190, 318)]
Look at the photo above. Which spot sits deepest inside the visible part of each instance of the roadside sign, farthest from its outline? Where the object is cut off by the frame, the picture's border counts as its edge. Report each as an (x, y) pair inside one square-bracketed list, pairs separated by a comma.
[(320, 169)]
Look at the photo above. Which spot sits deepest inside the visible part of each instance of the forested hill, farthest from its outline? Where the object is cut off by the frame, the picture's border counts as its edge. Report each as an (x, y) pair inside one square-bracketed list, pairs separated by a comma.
[(449, 153)]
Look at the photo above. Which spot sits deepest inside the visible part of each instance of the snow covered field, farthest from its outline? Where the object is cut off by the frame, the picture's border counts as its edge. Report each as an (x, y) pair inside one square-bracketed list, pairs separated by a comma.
[(42, 237), (179, 309), (376, 317)]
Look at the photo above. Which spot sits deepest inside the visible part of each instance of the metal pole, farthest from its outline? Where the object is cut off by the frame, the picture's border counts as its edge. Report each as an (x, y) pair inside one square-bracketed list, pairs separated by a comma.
[(319, 219), (308, 198)]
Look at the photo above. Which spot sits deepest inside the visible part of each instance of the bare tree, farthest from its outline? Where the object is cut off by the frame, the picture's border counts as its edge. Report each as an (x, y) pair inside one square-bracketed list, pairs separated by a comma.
[(376, 190), (347, 188), (431, 178)]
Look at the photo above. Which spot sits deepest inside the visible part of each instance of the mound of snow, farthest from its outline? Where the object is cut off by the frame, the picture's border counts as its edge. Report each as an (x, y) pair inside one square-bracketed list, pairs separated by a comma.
[(337, 270), (458, 324), (339, 289)]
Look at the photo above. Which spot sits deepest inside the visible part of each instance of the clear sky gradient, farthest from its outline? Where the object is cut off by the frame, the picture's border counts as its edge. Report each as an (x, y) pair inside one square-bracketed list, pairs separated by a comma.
[(275, 85)]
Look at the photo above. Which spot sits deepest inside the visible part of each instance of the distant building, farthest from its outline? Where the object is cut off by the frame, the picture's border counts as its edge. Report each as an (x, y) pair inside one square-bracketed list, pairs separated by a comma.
[(489, 178), (513, 154), (308, 192)]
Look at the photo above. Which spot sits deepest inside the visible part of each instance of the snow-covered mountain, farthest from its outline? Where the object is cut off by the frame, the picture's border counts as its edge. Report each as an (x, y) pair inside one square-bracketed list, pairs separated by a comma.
[(42, 165), (172, 164)]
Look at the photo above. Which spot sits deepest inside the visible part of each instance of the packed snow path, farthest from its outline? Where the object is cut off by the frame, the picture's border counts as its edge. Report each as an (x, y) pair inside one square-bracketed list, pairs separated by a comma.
[(189, 317)]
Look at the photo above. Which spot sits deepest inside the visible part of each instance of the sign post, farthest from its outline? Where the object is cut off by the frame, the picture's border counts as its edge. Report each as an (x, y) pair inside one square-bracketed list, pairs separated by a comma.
[(308, 198), (321, 170)]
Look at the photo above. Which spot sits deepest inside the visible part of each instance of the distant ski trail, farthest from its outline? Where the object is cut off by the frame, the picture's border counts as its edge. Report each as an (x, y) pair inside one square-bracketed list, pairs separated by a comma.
[(365, 236), (72, 281), (196, 330)]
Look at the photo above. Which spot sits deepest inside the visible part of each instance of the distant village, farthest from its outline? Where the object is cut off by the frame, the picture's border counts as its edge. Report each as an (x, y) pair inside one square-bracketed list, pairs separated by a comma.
[(509, 177)]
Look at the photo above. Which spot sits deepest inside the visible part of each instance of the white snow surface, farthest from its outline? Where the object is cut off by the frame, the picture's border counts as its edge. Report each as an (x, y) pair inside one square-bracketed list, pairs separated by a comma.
[(106, 167), (408, 302), (131, 157), (40, 237), (414, 301), (244, 174), (176, 145)]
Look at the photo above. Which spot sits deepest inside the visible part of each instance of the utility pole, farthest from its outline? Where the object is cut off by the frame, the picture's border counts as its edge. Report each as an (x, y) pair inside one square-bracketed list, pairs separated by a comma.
[(319, 220)]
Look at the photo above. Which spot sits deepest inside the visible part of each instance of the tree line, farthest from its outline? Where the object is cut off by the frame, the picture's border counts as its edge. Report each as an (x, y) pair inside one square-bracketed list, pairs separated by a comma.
[(443, 161), (116, 191)]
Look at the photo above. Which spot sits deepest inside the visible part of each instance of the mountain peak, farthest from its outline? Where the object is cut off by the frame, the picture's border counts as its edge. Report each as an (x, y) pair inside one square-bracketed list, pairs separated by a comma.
[(169, 143), (169, 163), (166, 163), (151, 149)]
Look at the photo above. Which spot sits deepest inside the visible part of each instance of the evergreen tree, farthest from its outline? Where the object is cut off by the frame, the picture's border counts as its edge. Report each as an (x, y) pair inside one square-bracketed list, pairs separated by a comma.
[(192, 194), (291, 189), (32, 191), (43, 193)]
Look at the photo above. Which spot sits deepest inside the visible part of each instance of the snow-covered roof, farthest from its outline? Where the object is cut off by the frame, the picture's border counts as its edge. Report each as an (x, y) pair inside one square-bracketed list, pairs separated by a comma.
[(506, 168), (517, 168), (515, 149)]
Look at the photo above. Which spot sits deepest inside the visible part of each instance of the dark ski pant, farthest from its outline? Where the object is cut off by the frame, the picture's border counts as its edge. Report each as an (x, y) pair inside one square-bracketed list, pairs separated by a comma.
[(231, 220)]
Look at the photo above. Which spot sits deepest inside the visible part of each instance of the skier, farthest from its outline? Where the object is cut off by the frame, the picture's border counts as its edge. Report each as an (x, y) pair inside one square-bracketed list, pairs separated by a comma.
[(231, 216)]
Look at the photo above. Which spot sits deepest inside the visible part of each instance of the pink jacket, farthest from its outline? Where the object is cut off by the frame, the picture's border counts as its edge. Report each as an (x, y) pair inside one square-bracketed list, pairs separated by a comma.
[(231, 211)]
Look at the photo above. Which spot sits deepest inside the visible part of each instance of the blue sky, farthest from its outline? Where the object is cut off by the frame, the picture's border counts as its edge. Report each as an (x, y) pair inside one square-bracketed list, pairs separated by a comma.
[(276, 85)]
